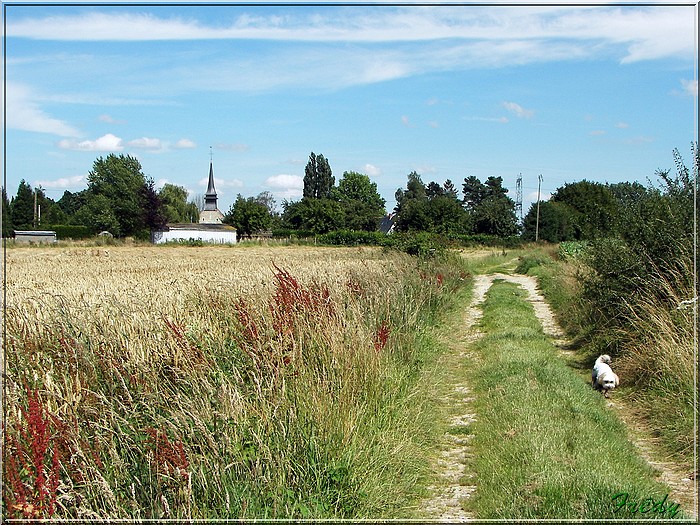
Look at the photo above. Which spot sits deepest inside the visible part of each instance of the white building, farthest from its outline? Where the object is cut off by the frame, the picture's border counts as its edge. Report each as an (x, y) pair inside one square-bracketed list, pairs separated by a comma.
[(210, 228)]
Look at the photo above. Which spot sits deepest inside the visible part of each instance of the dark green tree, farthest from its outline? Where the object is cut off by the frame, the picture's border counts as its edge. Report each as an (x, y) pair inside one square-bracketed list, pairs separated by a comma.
[(7, 226), (318, 178), (121, 181), (152, 206), (362, 205), (22, 207), (496, 216), (555, 222), (450, 189), (175, 206), (70, 203), (248, 215), (473, 191), (446, 215), (594, 209), (97, 215)]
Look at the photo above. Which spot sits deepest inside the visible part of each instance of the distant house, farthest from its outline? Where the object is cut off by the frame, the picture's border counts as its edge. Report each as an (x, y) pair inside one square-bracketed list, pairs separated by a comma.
[(34, 236), (210, 228)]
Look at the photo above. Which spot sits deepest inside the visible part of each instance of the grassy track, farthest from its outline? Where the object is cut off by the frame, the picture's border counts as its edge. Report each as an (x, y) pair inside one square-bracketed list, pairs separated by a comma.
[(545, 445)]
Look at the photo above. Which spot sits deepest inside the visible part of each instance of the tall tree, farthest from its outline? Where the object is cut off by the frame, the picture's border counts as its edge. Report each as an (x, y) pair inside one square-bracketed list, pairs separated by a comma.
[(153, 216), (175, 205), (22, 207), (450, 189), (362, 205), (121, 181), (318, 178), (7, 226), (474, 192)]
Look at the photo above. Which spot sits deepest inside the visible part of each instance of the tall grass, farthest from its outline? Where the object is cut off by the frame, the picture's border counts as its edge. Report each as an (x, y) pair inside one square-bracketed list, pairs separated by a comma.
[(217, 383)]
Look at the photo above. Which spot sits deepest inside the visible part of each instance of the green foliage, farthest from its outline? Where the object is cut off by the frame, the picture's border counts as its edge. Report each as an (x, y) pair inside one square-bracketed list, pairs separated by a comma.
[(248, 216), (495, 215), (70, 231), (362, 205), (527, 262), (556, 222), (570, 250), (175, 206), (22, 207), (7, 225), (316, 215), (592, 209), (318, 178), (353, 238)]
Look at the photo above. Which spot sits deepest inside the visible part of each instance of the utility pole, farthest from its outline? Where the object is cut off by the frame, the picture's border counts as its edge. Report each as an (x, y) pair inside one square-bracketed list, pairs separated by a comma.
[(35, 222), (537, 224)]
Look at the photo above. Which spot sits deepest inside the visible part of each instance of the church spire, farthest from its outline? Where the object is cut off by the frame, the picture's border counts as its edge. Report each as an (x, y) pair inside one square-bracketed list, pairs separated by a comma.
[(210, 195)]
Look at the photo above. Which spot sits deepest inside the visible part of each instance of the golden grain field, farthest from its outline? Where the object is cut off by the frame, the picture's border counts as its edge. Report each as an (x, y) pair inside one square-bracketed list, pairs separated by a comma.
[(224, 382)]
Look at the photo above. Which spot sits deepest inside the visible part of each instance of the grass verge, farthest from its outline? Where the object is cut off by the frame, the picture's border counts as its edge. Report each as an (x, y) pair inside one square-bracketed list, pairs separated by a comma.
[(545, 444)]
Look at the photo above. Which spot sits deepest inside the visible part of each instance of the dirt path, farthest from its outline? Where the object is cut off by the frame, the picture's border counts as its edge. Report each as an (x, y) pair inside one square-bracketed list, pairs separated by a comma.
[(457, 485)]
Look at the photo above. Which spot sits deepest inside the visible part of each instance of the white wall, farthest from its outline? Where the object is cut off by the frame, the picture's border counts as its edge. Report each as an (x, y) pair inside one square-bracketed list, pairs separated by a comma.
[(218, 237)]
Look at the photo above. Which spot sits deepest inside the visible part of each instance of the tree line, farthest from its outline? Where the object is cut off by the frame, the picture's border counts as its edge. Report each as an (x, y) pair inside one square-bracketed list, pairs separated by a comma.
[(120, 199)]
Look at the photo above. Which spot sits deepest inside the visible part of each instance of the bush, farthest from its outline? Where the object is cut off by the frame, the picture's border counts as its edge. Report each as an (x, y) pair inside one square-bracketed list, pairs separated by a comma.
[(530, 261), (353, 238), (70, 231), (569, 250)]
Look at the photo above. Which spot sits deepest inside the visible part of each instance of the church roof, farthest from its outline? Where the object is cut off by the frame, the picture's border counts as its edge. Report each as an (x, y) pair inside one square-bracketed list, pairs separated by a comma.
[(210, 195)]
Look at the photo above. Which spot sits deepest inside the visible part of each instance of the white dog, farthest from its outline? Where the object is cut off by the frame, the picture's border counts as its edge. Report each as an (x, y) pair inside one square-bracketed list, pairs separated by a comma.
[(602, 376)]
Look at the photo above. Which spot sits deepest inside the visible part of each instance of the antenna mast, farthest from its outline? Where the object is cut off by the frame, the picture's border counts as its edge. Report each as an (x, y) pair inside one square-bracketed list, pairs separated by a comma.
[(519, 197)]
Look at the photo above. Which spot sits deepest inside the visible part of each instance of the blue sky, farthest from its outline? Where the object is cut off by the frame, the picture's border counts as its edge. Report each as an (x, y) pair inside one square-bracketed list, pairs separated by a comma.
[(602, 93)]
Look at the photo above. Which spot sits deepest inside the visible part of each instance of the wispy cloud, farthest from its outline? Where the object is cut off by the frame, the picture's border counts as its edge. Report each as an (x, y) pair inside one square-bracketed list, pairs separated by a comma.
[(644, 32), (500, 120), (518, 110), (25, 113), (106, 142), (185, 143)]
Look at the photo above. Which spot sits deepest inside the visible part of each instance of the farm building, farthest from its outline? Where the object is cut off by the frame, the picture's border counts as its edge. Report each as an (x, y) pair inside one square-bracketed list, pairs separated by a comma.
[(210, 228), (36, 236)]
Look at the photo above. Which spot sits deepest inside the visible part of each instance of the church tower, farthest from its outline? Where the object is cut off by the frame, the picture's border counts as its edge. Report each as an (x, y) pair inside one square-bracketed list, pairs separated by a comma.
[(210, 214)]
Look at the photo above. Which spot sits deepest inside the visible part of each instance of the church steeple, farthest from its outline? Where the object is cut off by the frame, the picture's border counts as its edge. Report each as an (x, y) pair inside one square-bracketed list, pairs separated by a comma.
[(210, 195), (210, 214)]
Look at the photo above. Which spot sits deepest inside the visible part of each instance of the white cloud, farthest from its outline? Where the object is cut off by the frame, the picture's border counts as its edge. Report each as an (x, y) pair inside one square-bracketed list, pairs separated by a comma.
[(597, 132), (690, 87), (24, 113), (405, 121), (75, 181), (371, 170), (185, 144), (285, 186), (107, 142), (518, 110), (622, 125), (147, 143)]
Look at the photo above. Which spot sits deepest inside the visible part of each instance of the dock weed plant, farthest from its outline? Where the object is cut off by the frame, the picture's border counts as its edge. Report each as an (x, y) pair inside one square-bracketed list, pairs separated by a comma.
[(213, 383)]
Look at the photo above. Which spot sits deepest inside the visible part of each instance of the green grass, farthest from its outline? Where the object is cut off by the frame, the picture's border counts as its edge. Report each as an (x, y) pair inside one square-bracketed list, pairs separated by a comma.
[(545, 445)]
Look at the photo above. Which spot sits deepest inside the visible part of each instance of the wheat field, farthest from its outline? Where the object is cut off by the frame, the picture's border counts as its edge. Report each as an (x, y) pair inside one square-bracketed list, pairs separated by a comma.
[(149, 382)]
